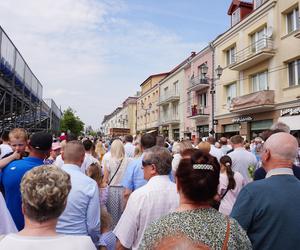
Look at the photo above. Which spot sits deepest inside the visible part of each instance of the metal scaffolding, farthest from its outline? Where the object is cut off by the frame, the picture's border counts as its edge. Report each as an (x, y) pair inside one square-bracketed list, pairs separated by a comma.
[(21, 93)]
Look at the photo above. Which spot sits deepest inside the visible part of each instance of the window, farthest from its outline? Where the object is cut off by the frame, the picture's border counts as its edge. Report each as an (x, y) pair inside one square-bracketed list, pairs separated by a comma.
[(202, 98), (230, 55), (258, 3), (292, 20), (175, 87), (294, 73), (175, 110), (230, 92), (259, 40), (260, 81), (235, 17)]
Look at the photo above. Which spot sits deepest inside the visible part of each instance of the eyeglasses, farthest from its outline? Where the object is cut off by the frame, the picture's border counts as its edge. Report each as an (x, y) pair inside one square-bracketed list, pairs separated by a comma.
[(146, 163)]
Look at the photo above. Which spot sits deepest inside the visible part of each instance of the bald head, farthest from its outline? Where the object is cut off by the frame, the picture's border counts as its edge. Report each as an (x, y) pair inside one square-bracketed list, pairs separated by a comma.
[(73, 153), (282, 146)]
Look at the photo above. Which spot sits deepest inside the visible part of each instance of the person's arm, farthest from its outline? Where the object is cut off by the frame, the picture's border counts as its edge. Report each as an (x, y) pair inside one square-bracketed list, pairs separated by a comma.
[(126, 195), (5, 161), (93, 216), (106, 172), (119, 246)]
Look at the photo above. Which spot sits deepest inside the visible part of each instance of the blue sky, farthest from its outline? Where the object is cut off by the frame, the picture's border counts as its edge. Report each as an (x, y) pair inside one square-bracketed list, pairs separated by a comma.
[(92, 54)]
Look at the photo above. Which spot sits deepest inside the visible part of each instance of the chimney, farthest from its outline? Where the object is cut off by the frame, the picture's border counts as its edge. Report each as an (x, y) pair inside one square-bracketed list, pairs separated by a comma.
[(193, 53)]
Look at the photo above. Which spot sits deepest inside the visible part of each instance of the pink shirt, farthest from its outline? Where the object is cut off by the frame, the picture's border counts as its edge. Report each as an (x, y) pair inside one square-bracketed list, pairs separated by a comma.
[(229, 199)]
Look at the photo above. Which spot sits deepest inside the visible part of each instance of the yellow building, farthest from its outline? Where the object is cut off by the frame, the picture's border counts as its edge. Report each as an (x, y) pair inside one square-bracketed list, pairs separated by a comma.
[(147, 108), (260, 55)]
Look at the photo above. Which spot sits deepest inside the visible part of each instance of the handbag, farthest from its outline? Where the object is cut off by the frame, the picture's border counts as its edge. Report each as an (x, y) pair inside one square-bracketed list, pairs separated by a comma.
[(115, 172), (216, 203)]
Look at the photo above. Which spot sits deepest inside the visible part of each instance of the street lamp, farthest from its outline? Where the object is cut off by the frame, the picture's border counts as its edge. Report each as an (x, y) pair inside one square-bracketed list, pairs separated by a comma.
[(218, 71), (146, 110)]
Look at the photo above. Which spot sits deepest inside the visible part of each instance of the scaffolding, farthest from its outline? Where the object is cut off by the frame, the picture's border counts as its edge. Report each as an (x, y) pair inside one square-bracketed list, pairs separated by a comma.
[(21, 93)]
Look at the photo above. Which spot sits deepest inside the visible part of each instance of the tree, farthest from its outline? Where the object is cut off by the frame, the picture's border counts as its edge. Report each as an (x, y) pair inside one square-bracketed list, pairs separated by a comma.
[(71, 122)]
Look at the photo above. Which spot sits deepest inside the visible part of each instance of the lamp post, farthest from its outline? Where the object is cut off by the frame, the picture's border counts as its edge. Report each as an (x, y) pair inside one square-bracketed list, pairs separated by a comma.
[(146, 110), (218, 71)]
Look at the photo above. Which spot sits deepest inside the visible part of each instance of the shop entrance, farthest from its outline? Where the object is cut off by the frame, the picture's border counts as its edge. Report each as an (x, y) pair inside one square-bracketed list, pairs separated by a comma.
[(231, 130), (203, 131), (257, 127)]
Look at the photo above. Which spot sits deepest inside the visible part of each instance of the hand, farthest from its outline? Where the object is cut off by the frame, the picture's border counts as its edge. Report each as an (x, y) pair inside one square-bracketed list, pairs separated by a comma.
[(16, 155)]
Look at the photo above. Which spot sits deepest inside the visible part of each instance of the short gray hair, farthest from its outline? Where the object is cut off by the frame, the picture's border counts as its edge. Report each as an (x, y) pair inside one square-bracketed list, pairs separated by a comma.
[(161, 158), (281, 126)]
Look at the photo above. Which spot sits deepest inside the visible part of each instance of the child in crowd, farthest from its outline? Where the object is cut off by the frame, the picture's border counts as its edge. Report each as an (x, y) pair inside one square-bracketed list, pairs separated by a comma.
[(107, 239), (95, 172), (18, 141)]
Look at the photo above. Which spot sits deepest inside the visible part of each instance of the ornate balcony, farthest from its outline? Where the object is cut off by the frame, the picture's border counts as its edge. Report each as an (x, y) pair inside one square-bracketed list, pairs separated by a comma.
[(197, 83), (258, 101), (252, 55), (169, 119), (168, 97), (198, 112)]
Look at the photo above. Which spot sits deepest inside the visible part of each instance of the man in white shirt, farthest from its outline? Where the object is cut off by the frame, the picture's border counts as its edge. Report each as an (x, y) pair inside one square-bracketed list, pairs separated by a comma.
[(151, 201), (88, 158), (129, 147), (242, 160), (216, 152), (82, 213)]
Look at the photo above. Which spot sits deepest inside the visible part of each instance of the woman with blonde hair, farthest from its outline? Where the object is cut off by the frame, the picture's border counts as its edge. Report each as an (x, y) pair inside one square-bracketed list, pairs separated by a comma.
[(204, 146), (100, 150), (114, 169)]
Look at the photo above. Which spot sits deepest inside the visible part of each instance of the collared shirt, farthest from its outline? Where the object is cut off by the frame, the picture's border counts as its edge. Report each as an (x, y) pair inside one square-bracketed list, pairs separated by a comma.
[(216, 152), (134, 175), (88, 160), (129, 149), (279, 171), (241, 161), (148, 203), (82, 213), (11, 179)]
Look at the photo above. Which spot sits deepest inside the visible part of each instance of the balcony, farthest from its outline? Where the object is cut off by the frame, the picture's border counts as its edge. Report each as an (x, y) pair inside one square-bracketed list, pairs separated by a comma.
[(198, 112), (197, 83), (170, 96), (254, 54), (258, 101), (169, 119)]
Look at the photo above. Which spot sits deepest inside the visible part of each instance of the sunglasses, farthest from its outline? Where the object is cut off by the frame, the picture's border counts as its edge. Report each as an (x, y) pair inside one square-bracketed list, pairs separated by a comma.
[(146, 163)]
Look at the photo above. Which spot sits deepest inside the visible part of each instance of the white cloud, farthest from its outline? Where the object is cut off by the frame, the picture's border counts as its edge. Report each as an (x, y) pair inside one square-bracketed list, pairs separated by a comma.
[(86, 55)]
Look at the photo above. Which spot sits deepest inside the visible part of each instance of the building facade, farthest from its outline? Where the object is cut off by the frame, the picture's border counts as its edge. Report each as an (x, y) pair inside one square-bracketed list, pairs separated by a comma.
[(260, 55), (147, 105), (171, 95), (197, 99)]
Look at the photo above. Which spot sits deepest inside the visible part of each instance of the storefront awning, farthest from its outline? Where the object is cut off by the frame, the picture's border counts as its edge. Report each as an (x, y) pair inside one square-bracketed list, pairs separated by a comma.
[(292, 121), (151, 131)]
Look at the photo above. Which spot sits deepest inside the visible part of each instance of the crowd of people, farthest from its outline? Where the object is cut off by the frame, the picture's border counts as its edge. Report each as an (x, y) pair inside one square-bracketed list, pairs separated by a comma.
[(149, 193)]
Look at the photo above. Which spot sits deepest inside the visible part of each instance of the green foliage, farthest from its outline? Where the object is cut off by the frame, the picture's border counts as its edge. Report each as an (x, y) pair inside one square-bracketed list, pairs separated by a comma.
[(71, 122)]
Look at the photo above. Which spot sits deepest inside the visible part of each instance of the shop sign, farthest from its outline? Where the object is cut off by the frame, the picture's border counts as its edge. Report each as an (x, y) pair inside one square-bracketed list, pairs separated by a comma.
[(290, 111), (242, 119)]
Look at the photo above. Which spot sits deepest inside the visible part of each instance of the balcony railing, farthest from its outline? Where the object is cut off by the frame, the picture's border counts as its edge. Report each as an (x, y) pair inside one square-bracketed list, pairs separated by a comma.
[(198, 83), (257, 101), (169, 119), (168, 97), (198, 112), (257, 52)]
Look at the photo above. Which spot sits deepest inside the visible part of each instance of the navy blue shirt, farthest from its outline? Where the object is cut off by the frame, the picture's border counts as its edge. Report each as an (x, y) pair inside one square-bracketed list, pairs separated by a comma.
[(268, 210), (11, 179), (260, 173)]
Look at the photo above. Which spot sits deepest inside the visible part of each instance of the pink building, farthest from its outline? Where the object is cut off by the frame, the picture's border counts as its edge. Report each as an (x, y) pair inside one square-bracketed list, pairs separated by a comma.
[(198, 98)]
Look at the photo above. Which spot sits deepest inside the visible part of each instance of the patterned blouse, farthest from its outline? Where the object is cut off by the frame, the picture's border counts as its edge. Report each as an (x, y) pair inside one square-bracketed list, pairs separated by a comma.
[(203, 225)]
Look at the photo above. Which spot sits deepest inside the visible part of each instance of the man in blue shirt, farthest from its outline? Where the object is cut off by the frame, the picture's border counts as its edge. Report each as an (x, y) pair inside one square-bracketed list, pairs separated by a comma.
[(82, 213), (39, 146), (134, 174), (268, 209)]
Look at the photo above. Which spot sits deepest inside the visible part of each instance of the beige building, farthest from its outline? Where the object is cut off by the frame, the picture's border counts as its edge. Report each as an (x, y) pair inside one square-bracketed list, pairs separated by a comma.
[(260, 55), (147, 105)]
